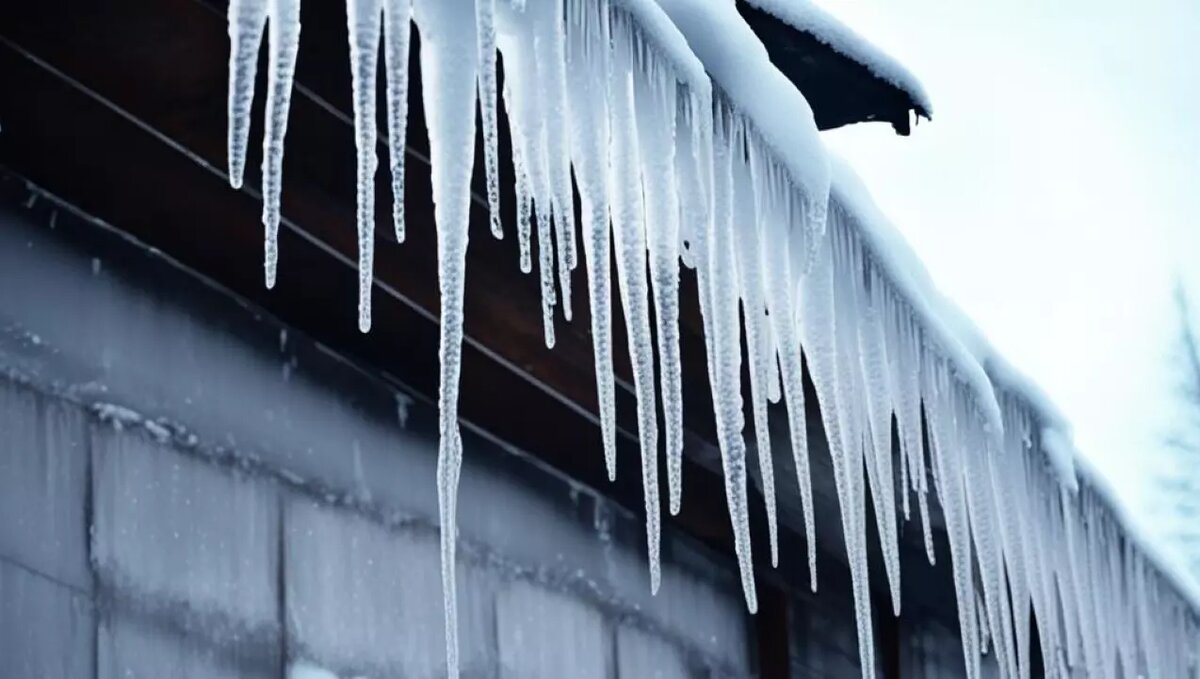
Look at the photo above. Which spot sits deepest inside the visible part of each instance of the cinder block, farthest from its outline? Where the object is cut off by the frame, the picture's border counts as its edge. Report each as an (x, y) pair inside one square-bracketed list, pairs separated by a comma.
[(931, 649), (548, 635), (363, 599), (43, 482), (178, 537), (46, 629), (643, 656), (711, 618), (141, 648), (824, 638)]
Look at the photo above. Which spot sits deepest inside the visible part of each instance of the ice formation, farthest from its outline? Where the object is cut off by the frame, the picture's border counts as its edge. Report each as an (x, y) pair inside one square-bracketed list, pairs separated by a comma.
[(247, 19), (671, 124)]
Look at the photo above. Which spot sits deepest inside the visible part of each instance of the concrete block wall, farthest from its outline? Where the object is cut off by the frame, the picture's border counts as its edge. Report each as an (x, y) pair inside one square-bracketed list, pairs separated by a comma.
[(191, 490), (122, 555), (47, 617)]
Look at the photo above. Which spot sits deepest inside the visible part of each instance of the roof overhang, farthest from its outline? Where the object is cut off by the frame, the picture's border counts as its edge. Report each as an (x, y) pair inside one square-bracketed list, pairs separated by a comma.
[(845, 79)]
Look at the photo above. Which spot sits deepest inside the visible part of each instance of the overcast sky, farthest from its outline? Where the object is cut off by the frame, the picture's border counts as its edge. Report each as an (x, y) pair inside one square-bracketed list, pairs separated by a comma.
[(1056, 193)]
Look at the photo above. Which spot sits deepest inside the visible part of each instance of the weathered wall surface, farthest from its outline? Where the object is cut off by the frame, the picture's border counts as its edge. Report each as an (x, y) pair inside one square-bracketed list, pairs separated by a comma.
[(189, 490), (122, 552)]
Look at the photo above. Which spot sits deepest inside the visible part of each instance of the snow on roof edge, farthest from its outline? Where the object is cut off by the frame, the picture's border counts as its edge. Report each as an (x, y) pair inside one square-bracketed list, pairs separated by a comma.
[(893, 253), (804, 15), (959, 335), (738, 64), (651, 19), (1134, 531)]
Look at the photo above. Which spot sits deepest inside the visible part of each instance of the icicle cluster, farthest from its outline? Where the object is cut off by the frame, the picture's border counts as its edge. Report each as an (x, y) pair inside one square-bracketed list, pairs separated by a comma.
[(1022, 542), (669, 166)]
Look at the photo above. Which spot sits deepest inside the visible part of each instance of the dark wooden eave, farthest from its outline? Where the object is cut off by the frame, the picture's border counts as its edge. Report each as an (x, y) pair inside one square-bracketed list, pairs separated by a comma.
[(840, 90)]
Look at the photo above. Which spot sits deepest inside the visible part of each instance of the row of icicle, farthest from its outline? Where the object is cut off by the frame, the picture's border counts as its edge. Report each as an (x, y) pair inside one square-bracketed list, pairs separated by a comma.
[(667, 169)]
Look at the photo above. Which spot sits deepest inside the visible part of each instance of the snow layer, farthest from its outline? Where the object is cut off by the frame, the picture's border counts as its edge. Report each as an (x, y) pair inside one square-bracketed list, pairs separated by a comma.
[(738, 64), (731, 177), (806, 16)]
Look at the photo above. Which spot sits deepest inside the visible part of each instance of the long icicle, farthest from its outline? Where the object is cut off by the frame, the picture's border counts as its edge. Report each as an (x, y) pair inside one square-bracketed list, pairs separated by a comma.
[(776, 202), (726, 353), (749, 271), (693, 170), (247, 19), (954, 505), (550, 59), (517, 37), (588, 118), (485, 24), (631, 272), (872, 348), (283, 30), (364, 20), (854, 434), (397, 28), (656, 100), (449, 98)]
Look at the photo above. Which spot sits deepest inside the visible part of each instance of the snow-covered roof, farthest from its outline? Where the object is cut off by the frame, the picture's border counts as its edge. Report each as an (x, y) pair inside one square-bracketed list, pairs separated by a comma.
[(733, 177), (806, 16)]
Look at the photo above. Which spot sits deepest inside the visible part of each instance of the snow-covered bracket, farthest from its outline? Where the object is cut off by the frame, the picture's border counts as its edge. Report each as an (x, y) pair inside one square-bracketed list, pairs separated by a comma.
[(808, 17), (730, 176)]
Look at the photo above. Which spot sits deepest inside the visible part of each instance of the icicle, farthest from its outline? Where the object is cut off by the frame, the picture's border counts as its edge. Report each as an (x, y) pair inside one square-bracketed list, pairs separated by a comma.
[(905, 490), (879, 393), (849, 387), (524, 213), (656, 99), (1010, 483), (774, 383), (749, 263), (449, 99), (485, 24), (587, 111), (518, 36), (397, 27), (283, 30), (906, 370), (823, 338), (954, 507), (625, 180), (1079, 608), (693, 159), (364, 19), (926, 529), (775, 201), (1042, 569), (247, 19), (551, 84), (546, 273), (975, 449), (725, 351)]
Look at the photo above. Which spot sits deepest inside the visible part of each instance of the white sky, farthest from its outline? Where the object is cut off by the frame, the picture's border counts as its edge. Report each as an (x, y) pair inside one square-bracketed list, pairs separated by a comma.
[(1056, 193)]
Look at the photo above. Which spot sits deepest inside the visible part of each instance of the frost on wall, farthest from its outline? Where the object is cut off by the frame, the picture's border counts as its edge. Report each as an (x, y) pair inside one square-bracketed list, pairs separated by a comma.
[(684, 143)]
